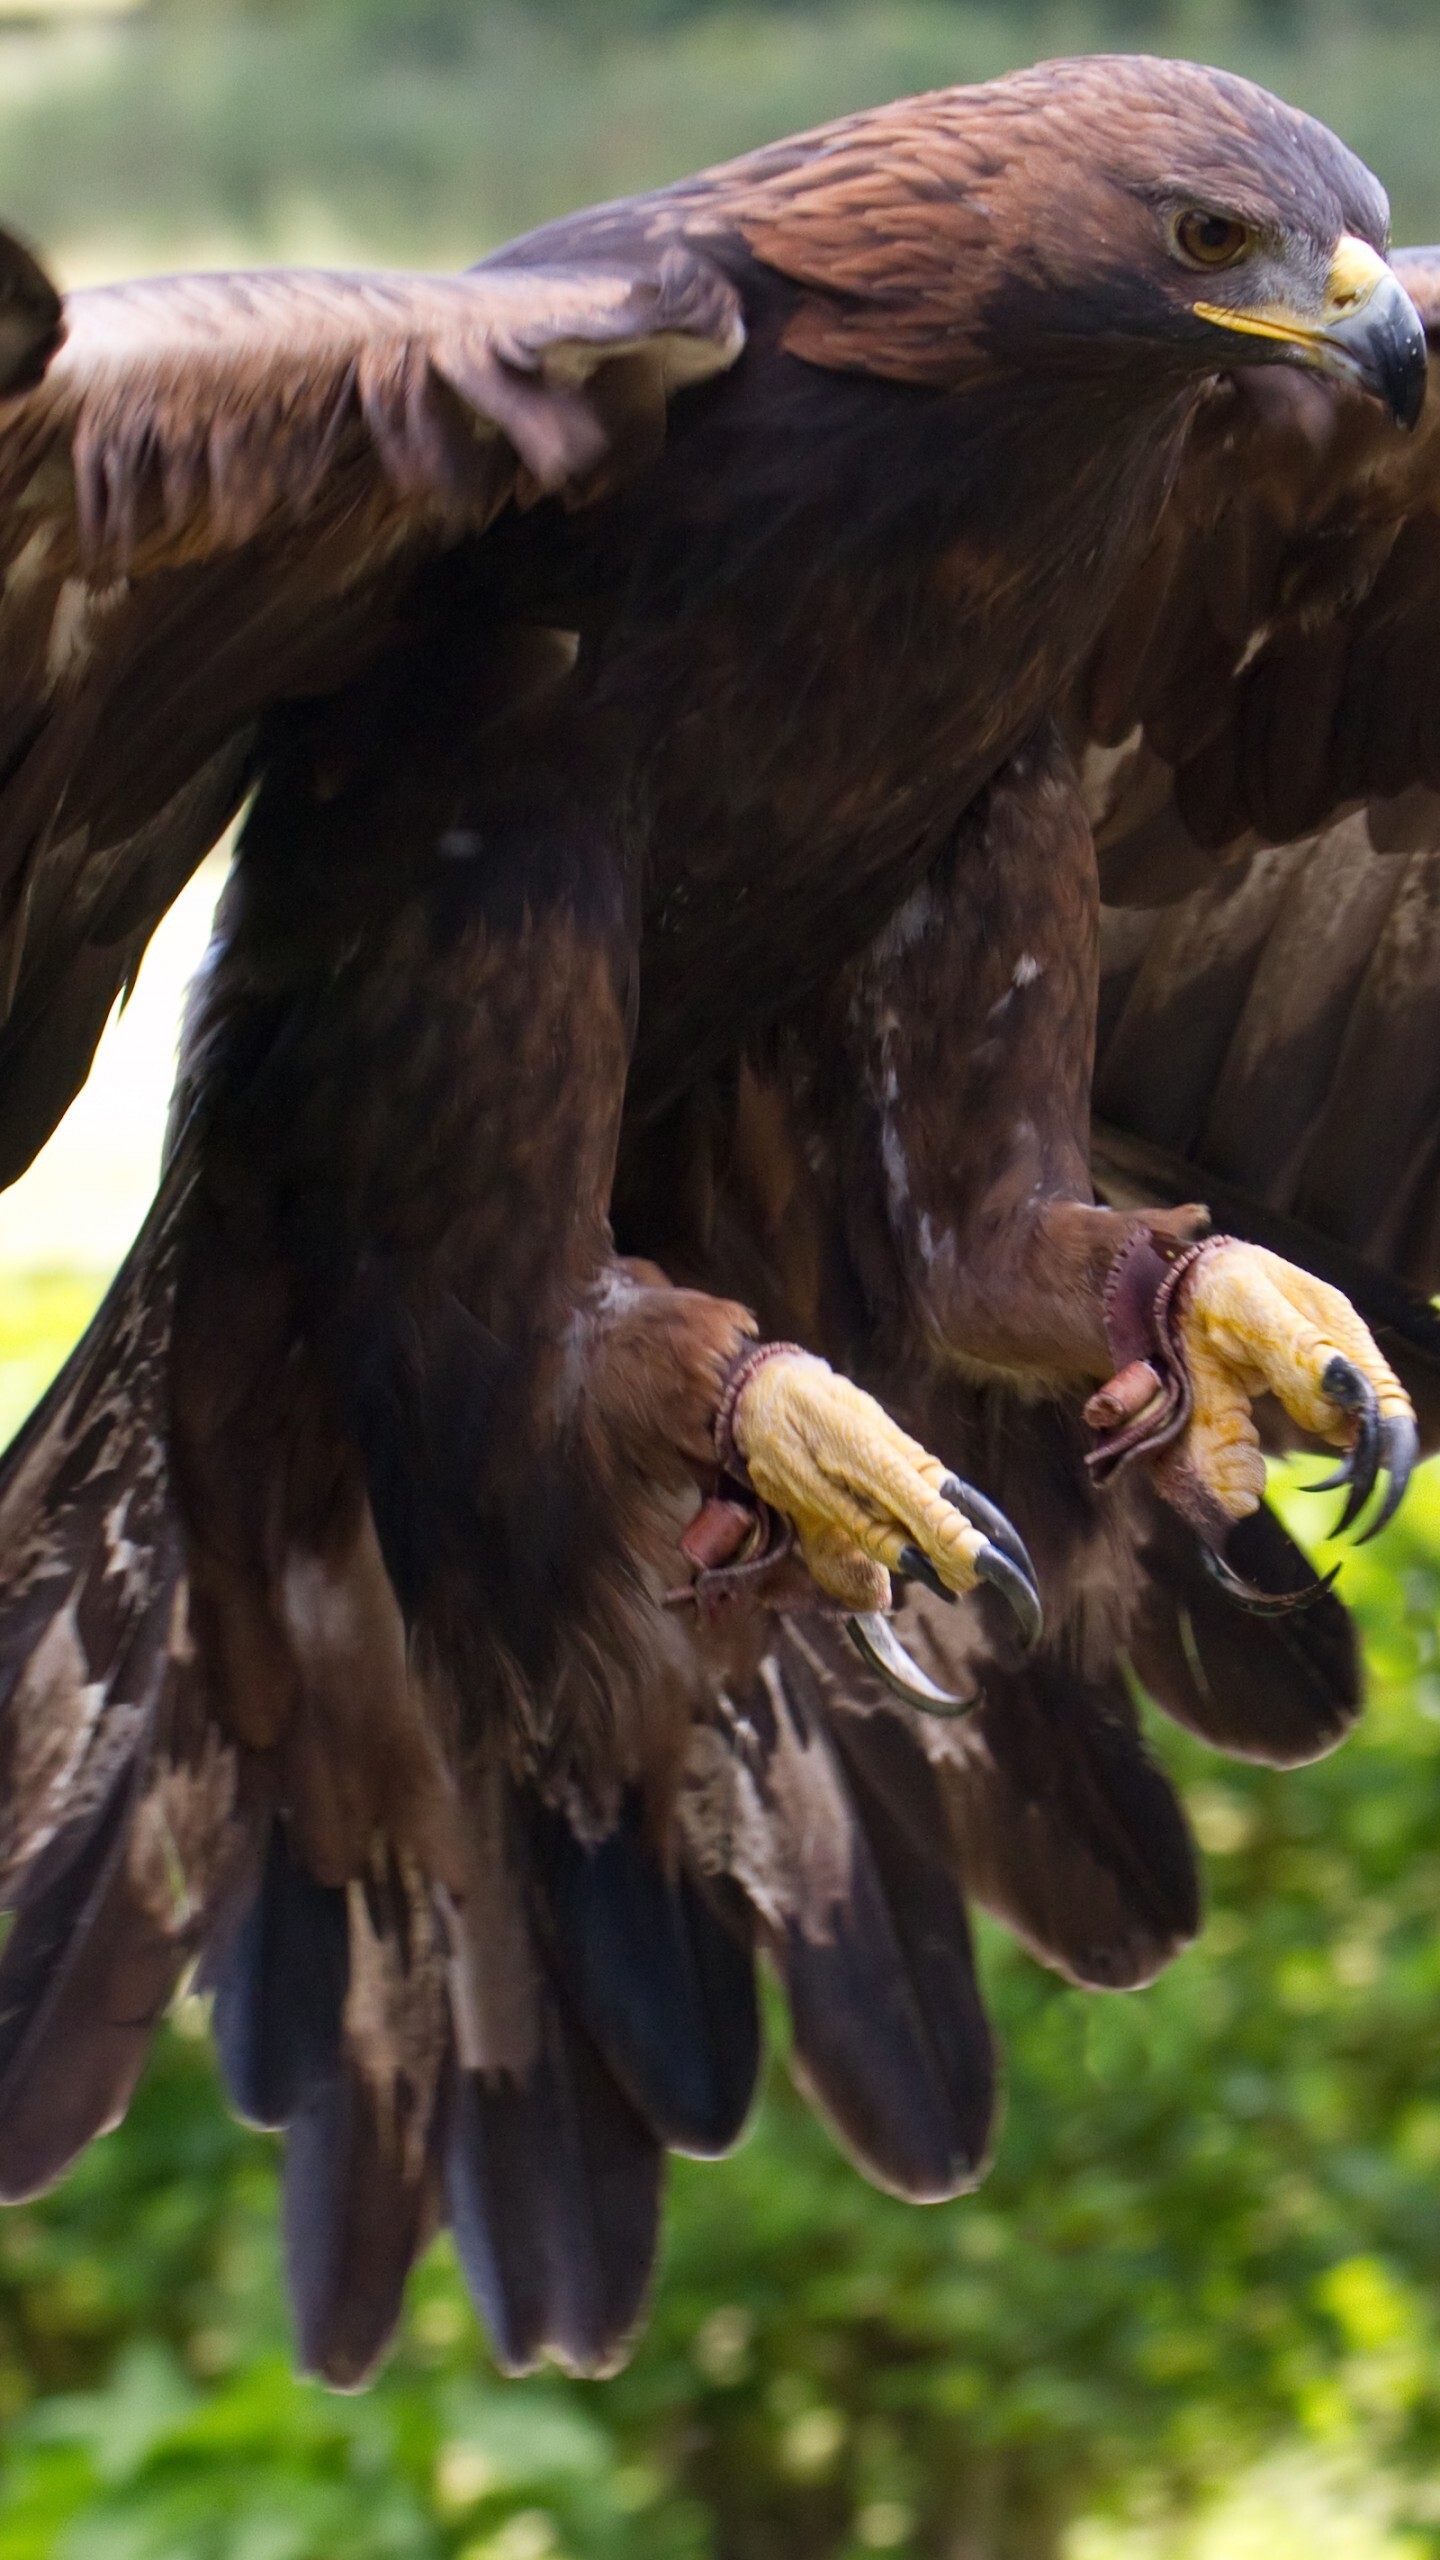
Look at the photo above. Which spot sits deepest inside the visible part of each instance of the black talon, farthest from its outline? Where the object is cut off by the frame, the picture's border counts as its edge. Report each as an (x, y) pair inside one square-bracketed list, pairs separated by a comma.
[(1344, 1385), (994, 1566), (1399, 1450), (877, 1644), (984, 1514), (1003, 1560), (918, 1568), (1364, 1487), (1263, 1604)]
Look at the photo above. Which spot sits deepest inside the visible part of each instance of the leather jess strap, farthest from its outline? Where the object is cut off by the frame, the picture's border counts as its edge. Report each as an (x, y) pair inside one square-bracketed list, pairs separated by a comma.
[(1144, 1407)]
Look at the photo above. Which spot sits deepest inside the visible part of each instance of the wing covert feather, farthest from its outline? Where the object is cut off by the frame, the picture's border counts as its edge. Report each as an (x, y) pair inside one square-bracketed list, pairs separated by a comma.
[(212, 499), (1297, 1086)]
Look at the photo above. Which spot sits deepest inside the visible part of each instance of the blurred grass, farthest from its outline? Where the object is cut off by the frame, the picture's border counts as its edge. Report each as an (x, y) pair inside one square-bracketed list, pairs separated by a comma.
[(213, 133), (41, 1314)]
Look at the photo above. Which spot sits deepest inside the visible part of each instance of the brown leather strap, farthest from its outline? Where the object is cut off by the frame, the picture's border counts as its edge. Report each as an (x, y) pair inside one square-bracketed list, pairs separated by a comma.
[(1142, 1411), (1146, 1404), (745, 1552), (749, 1559)]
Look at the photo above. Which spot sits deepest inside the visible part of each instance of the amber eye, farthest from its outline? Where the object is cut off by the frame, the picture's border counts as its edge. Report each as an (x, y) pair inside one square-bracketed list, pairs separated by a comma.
[(1211, 239)]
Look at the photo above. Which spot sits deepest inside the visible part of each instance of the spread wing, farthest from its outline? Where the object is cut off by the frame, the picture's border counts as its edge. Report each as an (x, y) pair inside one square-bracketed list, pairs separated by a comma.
[(1276, 658), (1260, 735), (212, 493), (1271, 1043)]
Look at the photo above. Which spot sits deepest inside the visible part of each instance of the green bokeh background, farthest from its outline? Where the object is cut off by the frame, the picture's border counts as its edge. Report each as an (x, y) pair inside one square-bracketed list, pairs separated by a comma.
[(1195, 2312)]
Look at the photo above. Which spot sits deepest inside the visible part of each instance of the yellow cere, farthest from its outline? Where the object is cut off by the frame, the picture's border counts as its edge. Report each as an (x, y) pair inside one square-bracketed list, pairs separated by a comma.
[(1355, 270)]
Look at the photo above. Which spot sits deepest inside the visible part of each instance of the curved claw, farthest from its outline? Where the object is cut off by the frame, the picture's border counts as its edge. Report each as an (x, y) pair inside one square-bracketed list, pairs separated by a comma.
[(1399, 1450), (1344, 1385), (993, 1564), (994, 1567), (984, 1514), (876, 1642), (1392, 1444), (1263, 1604), (917, 1567)]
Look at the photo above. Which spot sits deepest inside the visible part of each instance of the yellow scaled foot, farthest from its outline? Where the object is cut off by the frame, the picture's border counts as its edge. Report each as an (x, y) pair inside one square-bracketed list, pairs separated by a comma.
[(867, 1500), (1254, 1324)]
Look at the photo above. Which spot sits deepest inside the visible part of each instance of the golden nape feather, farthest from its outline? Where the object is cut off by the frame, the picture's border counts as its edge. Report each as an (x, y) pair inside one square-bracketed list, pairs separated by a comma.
[(628, 1444)]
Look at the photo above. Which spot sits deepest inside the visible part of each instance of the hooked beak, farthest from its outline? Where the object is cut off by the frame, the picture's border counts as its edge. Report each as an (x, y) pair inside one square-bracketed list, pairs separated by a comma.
[(1368, 331)]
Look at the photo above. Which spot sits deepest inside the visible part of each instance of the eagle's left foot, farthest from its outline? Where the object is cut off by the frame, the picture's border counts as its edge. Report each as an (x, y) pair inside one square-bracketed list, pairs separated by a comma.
[(867, 1500), (1239, 1322), (1253, 1323)]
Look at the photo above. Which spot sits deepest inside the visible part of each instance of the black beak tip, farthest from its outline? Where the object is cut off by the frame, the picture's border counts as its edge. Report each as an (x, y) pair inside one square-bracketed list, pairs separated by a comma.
[(1399, 366), (1382, 347), (1407, 399), (1400, 369)]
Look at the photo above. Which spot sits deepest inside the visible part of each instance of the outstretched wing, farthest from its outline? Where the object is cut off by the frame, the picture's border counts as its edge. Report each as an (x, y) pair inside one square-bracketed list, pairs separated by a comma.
[(1276, 658), (1259, 728), (212, 492), (1271, 1044)]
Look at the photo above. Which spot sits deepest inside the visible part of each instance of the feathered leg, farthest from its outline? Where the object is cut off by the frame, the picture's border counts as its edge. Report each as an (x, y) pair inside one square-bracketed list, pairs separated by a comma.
[(961, 1166), (877, 1188)]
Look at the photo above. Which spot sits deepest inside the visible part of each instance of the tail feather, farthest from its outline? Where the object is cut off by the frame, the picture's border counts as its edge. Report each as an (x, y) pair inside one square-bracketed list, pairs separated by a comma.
[(357, 2216), (664, 1987), (280, 1981), (362, 2158), (905, 1825), (553, 2186), (332, 2022), (869, 1938), (1278, 1690), (1069, 1832), (551, 2175), (1047, 1807)]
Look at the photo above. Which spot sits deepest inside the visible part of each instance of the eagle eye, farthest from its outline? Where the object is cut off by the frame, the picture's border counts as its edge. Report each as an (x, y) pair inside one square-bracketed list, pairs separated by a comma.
[(1211, 239)]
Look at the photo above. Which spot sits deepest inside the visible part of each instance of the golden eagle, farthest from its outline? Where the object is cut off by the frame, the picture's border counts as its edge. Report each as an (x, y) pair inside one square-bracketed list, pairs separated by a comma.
[(650, 1020)]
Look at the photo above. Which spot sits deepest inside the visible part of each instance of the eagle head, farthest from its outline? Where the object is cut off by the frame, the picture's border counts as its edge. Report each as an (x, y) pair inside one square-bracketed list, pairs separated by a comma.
[(1109, 214), (1193, 210)]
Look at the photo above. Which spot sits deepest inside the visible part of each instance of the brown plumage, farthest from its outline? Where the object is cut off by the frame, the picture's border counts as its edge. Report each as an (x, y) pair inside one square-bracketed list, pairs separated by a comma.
[(667, 905), (1268, 1026), (1309, 973)]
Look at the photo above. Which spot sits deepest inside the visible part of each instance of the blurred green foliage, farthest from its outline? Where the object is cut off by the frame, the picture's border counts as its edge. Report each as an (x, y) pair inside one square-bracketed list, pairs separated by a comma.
[(431, 129), (1214, 2222), (39, 1311)]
